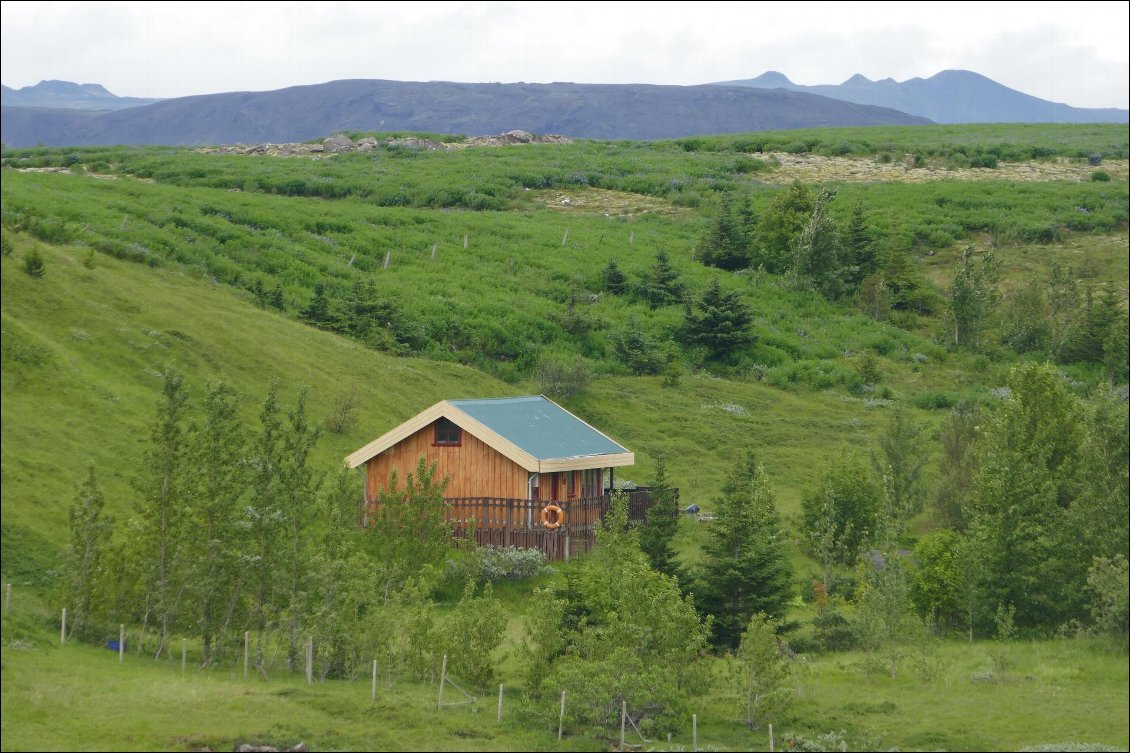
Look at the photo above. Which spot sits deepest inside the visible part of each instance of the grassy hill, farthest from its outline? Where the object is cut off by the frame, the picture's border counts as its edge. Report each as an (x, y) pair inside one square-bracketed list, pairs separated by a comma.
[(84, 348)]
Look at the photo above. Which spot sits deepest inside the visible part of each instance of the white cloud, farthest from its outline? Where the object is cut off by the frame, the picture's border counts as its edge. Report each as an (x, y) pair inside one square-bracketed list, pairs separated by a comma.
[(1071, 52)]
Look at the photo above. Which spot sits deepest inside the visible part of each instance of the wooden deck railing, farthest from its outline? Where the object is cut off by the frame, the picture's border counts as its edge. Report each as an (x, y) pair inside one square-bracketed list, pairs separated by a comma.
[(517, 522)]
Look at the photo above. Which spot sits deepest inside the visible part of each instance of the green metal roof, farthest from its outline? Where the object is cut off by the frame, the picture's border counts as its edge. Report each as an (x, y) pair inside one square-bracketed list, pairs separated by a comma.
[(539, 426)]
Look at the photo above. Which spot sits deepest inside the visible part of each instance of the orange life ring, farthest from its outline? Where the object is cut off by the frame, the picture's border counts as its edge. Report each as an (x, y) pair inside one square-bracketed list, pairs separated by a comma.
[(552, 517)]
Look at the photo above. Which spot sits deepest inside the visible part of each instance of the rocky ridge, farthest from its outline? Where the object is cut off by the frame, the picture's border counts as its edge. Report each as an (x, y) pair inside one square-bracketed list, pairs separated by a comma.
[(342, 144)]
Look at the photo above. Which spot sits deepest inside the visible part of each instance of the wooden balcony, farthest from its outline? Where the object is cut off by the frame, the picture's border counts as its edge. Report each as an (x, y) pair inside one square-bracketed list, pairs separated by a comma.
[(517, 522)]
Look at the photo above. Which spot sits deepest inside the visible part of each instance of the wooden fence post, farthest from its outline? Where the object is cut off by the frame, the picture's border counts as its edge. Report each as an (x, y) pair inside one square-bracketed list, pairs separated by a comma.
[(561, 718), (7, 599), (770, 738), (121, 643), (309, 661), (442, 680), (373, 695), (63, 629), (623, 720), (694, 733), (183, 656), (246, 650), (500, 702)]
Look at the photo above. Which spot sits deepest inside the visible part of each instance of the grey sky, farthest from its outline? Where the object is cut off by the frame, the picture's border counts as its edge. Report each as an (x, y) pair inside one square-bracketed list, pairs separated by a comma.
[(1065, 52)]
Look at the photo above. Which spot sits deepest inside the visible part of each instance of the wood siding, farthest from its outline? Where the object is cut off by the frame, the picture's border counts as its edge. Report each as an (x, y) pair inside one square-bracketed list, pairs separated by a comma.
[(474, 468)]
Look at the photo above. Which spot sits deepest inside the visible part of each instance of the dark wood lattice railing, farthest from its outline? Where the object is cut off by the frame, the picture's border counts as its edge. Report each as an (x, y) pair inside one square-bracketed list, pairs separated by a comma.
[(517, 522)]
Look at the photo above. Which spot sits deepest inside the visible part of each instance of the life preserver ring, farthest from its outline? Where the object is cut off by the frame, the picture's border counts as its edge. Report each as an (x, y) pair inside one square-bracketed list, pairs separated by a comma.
[(552, 517)]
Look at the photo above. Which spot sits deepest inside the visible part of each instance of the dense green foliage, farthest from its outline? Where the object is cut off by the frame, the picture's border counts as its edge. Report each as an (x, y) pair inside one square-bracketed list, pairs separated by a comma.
[(624, 636), (839, 513)]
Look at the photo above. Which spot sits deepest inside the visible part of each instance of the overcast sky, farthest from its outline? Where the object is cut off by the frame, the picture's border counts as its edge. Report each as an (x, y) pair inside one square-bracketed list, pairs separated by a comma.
[(1065, 52)]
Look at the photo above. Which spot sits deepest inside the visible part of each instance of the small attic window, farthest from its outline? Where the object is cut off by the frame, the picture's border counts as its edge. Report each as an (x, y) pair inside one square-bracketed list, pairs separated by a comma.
[(448, 433)]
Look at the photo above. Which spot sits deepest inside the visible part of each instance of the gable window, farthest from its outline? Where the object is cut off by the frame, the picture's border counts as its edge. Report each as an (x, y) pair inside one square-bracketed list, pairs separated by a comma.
[(448, 433)]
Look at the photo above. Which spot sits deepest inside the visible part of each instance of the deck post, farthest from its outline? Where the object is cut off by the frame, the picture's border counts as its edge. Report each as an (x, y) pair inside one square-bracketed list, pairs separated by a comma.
[(509, 519)]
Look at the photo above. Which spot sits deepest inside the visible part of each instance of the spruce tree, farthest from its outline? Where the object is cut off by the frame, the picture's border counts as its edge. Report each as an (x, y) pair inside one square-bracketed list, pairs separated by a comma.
[(662, 523), (719, 321), (614, 279), (725, 244), (747, 566), (660, 285), (861, 256), (318, 312)]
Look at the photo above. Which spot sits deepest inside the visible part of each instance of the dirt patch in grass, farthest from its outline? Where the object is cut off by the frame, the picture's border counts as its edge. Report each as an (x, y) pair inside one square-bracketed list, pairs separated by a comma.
[(608, 203), (814, 168), (1099, 260)]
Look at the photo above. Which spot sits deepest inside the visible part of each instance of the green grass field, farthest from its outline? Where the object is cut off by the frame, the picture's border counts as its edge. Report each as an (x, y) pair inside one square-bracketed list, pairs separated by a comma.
[(947, 698)]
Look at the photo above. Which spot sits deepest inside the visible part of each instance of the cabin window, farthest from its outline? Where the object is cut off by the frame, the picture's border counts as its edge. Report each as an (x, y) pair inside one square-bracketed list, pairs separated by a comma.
[(448, 433), (572, 483)]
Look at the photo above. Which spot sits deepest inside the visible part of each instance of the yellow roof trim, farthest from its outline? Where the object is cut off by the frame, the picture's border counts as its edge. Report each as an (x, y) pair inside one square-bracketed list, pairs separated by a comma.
[(442, 409)]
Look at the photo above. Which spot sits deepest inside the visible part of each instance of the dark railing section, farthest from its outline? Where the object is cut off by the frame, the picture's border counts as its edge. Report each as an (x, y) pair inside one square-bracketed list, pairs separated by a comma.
[(518, 522)]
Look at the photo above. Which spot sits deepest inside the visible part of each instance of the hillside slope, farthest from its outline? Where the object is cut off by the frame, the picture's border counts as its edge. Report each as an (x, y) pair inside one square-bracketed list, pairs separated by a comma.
[(628, 111), (83, 349)]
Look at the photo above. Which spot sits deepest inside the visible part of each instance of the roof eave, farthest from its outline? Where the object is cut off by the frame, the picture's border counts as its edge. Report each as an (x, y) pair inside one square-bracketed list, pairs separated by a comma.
[(586, 462)]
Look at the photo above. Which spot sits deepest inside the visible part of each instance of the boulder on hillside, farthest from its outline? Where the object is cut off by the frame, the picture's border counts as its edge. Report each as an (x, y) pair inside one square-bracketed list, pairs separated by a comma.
[(516, 137), (338, 144)]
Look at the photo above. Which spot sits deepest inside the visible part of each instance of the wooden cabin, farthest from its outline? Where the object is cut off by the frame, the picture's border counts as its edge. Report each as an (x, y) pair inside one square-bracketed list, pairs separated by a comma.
[(509, 463)]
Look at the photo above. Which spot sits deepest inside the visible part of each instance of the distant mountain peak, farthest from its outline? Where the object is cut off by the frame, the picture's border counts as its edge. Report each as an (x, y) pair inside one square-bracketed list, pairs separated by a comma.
[(949, 96), (773, 80), (959, 73), (68, 95)]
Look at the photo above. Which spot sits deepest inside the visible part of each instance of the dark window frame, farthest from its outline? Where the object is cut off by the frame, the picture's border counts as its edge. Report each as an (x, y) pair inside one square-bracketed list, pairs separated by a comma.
[(447, 434)]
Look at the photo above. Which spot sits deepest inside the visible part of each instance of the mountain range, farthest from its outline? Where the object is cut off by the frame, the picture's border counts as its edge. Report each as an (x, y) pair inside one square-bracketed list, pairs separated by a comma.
[(68, 95), (946, 97), (58, 113), (298, 113)]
